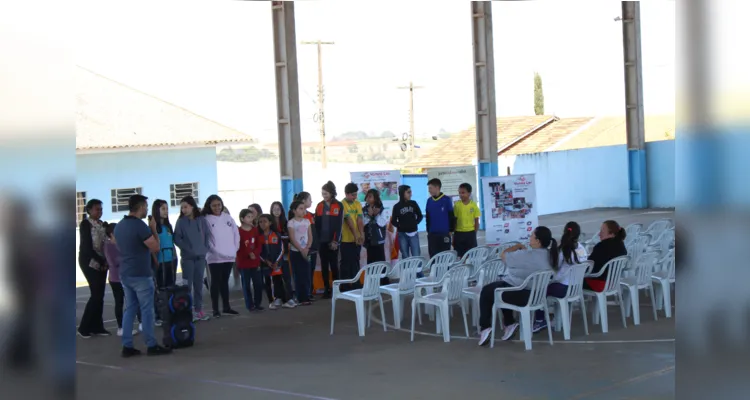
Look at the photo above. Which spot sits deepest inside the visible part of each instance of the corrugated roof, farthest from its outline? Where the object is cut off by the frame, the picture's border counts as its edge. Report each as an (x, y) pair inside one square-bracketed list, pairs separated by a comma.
[(610, 131), (111, 115), (547, 136), (461, 148)]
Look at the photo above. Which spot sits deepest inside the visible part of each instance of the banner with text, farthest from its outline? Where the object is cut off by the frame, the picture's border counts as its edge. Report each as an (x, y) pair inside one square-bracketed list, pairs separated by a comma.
[(509, 208), (451, 177)]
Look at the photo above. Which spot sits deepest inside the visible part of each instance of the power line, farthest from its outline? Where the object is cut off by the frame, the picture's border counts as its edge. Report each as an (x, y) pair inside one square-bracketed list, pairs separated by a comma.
[(321, 112)]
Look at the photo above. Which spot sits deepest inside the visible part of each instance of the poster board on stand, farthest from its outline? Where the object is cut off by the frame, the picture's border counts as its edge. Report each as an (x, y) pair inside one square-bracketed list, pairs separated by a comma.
[(452, 177), (510, 208)]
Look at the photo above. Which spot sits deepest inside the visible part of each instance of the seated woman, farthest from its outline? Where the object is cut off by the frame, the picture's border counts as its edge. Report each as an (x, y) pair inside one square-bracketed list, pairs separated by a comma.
[(519, 263), (612, 245), (571, 253)]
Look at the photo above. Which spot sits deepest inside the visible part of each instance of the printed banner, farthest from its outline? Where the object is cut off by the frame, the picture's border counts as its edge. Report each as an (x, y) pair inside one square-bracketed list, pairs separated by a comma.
[(451, 177), (509, 208)]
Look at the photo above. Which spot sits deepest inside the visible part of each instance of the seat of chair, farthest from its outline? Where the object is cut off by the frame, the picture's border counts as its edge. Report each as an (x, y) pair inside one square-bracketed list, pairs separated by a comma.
[(629, 281), (434, 298), (393, 288), (660, 275), (350, 295), (473, 290), (428, 279)]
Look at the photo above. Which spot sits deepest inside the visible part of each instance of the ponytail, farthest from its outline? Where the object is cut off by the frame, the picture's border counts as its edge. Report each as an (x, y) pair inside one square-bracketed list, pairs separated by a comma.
[(614, 228), (554, 259), (569, 242), (544, 235)]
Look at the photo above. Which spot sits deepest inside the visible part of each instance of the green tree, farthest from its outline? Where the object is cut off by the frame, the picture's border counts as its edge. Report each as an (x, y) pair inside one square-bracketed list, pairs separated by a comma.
[(538, 95)]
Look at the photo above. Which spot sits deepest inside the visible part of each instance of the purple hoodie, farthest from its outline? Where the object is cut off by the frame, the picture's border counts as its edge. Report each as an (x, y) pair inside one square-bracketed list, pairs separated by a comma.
[(223, 239), (112, 254)]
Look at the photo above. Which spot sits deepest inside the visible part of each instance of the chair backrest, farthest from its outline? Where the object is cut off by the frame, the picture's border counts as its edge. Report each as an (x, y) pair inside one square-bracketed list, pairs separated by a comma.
[(455, 282), (408, 269), (373, 273), (537, 284), (665, 240), (644, 267), (637, 246), (614, 269), (440, 263), (656, 227), (497, 250), (575, 278), (490, 272), (668, 264), (475, 257), (633, 230)]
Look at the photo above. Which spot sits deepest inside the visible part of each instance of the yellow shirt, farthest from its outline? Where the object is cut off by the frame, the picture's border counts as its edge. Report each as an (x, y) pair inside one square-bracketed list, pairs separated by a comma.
[(465, 215), (351, 210)]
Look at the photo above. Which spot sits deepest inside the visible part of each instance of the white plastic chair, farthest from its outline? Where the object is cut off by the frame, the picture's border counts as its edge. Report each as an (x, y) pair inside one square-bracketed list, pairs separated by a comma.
[(657, 227), (664, 278), (407, 279), (488, 273), (475, 257), (370, 291), (615, 267), (536, 284), (497, 250), (564, 306), (633, 230), (452, 283), (436, 268), (641, 279), (663, 242)]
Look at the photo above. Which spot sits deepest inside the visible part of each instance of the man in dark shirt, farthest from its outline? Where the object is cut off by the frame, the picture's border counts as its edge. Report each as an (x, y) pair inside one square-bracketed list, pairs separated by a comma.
[(136, 242)]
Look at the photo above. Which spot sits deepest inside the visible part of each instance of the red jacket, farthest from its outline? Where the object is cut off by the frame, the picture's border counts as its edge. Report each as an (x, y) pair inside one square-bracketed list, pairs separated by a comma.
[(250, 243)]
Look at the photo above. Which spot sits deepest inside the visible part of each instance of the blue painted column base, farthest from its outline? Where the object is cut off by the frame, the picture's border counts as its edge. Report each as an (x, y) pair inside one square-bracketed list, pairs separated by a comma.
[(638, 178), (484, 169), (289, 187)]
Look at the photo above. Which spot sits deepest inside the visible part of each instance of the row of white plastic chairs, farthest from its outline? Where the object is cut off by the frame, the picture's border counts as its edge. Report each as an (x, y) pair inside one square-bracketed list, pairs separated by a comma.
[(461, 285), (657, 231)]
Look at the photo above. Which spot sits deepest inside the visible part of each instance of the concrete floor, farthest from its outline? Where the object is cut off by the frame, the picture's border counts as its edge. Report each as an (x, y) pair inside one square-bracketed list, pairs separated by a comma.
[(289, 354)]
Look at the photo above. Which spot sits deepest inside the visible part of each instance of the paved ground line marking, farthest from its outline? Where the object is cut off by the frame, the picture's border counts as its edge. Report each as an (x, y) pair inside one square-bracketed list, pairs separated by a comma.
[(222, 383), (634, 379)]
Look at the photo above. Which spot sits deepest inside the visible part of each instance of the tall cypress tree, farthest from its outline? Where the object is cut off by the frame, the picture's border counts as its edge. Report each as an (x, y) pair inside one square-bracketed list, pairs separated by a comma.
[(538, 95)]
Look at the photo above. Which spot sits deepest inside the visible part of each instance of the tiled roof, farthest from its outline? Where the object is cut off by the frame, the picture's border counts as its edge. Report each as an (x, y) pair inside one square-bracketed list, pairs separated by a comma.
[(610, 131), (461, 148), (546, 137), (111, 115)]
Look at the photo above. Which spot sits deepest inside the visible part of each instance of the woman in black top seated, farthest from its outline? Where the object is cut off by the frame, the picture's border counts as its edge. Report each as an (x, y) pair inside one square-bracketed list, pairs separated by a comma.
[(612, 245)]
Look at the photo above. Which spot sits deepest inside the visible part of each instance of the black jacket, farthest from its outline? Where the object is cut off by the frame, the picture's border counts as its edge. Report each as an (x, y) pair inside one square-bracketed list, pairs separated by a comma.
[(605, 251), (406, 216), (86, 250)]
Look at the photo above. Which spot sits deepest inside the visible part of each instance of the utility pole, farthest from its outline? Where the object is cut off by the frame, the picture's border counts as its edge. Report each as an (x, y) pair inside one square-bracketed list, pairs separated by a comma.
[(411, 88), (321, 113)]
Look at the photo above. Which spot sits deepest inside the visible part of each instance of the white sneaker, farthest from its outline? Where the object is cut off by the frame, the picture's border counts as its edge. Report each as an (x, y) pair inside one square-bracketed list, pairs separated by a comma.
[(509, 331), (275, 305), (158, 322), (119, 332), (290, 304), (484, 336)]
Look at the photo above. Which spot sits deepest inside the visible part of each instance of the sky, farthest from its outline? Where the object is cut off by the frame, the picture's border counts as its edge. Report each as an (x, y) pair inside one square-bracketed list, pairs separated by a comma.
[(215, 58)]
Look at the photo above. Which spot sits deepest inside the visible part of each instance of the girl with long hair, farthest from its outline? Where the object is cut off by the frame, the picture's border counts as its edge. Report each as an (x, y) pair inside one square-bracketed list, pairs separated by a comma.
[(165, 260), (520, 264), (312, 257), (223, 243), (329, 220), (279, 225), (191, 236), (300, 238)]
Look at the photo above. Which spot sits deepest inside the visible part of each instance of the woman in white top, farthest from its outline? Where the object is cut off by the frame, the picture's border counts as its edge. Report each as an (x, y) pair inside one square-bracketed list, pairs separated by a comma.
[(571, 253), (300, 238)]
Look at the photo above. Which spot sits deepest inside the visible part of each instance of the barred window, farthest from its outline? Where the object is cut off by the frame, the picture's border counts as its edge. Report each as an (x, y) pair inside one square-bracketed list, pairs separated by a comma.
[(179, 190), (80, 206), (120, 198)]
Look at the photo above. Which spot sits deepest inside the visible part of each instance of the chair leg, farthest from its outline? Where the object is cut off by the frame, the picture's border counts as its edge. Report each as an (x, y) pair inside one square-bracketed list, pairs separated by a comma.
[(333, 313), (494, 319), (666, 291), (635, 304), (369, 313), (382, 314), (418, 312), (585, 318), (601, 302), (549, 325), (396, 302), (595, 314), (653, 302), (466, 325), (445, 321), (622, 309), (413, 311), (526, 328), (438, 323), (360, 306), (564, 317)]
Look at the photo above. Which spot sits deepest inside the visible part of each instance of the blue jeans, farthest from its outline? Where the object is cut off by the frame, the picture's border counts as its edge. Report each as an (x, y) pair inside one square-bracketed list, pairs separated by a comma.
[(138, 290), (301, 269), (409, 245), (252, 287), (193, 271)]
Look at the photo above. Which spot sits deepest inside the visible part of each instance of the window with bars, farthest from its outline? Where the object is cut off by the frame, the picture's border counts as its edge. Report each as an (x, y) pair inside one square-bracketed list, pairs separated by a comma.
[(120, 198), (80, 206), (179, 190)]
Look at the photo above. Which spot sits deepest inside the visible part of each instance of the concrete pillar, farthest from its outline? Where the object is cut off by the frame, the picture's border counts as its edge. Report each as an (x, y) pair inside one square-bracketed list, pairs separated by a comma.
[(636, 136), (484, 93), (287, 100)]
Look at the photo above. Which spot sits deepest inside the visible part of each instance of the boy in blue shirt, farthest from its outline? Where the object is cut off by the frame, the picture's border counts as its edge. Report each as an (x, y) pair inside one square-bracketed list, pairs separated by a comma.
[(439, 218)]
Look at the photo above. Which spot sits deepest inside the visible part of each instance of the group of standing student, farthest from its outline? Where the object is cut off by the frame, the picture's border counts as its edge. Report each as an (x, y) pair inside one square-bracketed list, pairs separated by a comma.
[(544, 254)]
